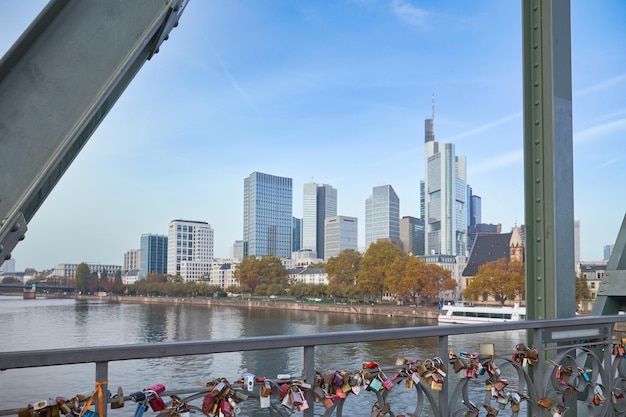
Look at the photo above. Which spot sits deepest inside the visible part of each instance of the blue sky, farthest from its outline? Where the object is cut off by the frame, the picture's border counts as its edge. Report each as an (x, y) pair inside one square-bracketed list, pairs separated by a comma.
[(335, 92)]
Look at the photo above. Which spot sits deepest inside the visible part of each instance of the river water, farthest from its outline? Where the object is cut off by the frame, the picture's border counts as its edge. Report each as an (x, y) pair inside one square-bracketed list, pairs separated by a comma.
[(66, 323)]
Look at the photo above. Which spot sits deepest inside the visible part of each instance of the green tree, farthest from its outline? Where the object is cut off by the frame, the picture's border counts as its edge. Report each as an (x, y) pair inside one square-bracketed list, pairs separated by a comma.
[(342, 272), (582, 290), (82, 276), (500, 279), (371, 276), (30, 270)]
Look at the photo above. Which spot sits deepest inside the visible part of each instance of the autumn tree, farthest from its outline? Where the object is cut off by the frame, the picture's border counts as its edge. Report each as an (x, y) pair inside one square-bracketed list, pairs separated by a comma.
[(425, 278), (264, 276), (582, 290), (371, 277), (342, 273), (501, 279)]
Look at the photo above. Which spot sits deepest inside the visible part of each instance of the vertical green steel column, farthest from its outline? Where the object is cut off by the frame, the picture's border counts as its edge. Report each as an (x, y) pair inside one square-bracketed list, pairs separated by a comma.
[(548, 159)]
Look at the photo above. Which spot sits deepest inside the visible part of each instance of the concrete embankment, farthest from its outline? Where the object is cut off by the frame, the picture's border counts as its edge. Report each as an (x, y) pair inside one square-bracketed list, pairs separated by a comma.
[(382, 310)]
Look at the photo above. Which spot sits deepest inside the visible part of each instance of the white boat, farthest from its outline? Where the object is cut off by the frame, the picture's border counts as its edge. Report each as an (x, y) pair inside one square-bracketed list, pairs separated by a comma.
[(461, 314)]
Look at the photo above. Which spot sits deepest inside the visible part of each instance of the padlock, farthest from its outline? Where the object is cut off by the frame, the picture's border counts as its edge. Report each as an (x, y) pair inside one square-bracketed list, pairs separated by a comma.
[(138, 396), (248, 381), (328, 402), (515, 407), (226, 409), (207, 405), (63, 407), (304, 405), (266, 389), (387, 383), (409, 382), (287, 402), (436, 386), (264, 401), (339, 394), (89, 413), (117, 401), (157, 403), (240, 396), (39, 405), (375, 385)]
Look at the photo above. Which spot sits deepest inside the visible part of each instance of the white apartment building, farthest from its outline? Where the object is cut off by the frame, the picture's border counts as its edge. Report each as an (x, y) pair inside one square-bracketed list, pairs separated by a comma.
[(132, 259), (341, 233), (189, 249), (68, 271), (223, 273), (308, 276)]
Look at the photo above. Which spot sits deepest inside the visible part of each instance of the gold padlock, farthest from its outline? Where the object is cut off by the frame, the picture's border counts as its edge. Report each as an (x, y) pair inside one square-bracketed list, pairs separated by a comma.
[(117, 399)]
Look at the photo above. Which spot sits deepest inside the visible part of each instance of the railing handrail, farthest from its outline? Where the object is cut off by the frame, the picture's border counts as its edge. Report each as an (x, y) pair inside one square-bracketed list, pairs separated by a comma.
[(71, 356)]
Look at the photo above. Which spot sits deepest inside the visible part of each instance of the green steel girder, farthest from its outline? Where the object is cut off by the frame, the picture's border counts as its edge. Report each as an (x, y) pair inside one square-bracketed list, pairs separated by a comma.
[(548, 159)]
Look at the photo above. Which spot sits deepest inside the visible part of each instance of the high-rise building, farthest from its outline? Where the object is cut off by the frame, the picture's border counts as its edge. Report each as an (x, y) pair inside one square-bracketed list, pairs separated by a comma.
[(153, 255), (445, 197), (412, 235), (341, 234), (131, 259), (382, 215), (296, 238), (319, 202), (189, 249), (237, 250), (607, 250), (267, 215)]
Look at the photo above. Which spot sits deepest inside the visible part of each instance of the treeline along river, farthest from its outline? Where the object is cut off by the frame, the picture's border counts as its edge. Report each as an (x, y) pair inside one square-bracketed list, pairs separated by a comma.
[(66, 323)]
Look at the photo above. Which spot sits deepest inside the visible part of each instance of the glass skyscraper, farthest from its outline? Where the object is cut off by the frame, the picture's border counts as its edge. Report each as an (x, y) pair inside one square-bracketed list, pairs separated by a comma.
[(445, 198), (382, 215), (319, 203), (153, 255), (267, 215)]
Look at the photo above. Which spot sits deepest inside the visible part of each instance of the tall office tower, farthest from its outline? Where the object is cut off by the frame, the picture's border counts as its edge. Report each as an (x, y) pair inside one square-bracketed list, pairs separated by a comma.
[(607, 250), (189, 249), (296, 238), (131, 259), (382, 215), (474, 217), (445, 197), (475, 208), (422, 201), (153, 255), (412, 235), (576, 241), (267, 215), (341, 233), (319, 202)]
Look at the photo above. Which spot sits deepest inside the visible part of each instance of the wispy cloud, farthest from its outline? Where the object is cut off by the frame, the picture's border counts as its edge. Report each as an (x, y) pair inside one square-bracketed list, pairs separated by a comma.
[(611, 82), (595, 132), (497, 162), (485, 127), (233, 80), (410, 13), (611, 161)]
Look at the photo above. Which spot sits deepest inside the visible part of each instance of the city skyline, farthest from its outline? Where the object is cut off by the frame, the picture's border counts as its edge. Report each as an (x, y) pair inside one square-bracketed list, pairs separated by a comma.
[(335, 93)]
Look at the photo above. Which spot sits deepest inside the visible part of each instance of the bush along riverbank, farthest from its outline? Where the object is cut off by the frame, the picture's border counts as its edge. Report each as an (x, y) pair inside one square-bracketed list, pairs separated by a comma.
[(380, 309)]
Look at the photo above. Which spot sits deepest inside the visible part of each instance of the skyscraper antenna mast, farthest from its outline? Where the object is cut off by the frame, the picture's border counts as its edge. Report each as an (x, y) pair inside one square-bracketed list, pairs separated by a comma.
[(433, 117)]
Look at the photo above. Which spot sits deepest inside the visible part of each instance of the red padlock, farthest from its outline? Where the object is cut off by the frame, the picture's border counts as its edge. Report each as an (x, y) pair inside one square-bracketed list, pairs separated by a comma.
[(155, 401)]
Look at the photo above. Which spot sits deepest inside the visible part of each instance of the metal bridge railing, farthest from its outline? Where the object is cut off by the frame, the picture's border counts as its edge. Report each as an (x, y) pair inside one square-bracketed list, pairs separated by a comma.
[(564, 363)]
